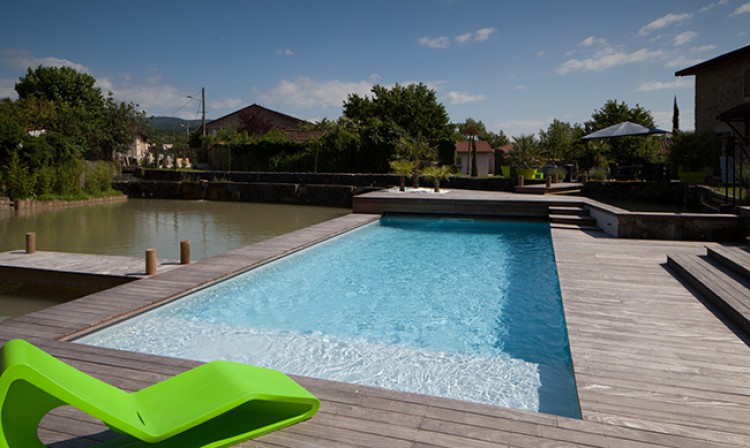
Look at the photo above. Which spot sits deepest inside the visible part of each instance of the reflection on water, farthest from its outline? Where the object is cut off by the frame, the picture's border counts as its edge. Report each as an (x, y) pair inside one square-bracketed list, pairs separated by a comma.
[(18, 298), (129, 228)]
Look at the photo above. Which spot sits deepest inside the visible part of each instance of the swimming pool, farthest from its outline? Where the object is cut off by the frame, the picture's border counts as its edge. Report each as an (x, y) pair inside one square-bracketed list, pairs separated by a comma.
[(459, 308)]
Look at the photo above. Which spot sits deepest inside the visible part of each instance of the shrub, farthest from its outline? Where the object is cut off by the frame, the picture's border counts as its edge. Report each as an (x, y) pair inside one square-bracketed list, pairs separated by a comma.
[(98, 177), (19, 180), (598, 174), (45, 182)]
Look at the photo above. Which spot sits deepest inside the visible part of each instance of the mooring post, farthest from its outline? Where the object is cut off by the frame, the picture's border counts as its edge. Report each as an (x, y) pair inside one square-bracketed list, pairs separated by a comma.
[(549, 181), (150, 261), (185, 252), (520, 181), (30, 243)]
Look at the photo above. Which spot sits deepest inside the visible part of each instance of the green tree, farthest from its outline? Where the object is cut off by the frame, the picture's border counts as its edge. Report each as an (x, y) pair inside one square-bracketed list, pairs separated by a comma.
[(61, 85), (526, 152), (471, 129), (675, 117), (413, 108), (561, 141), (402, 168), (624, 149), (495, 140)]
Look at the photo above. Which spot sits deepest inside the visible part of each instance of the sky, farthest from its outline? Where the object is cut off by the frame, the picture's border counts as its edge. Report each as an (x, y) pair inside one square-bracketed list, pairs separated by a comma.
[(515, 66)]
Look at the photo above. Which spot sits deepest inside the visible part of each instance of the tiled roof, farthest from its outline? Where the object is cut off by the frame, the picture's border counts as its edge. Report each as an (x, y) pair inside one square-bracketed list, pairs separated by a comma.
[(482, 146)]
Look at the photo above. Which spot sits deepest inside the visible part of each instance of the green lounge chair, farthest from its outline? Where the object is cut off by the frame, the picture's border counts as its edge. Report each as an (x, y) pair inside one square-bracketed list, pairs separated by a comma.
[(214, 405)]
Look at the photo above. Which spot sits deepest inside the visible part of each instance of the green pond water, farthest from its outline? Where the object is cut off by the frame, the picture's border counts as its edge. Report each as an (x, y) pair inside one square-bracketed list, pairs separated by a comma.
[(129, 228)]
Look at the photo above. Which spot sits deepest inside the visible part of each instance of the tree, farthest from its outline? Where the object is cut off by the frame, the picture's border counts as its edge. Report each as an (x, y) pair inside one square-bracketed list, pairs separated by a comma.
[(403, 168), (413, 108), (471, 129), (526, 153), (436, 173), (624, 149), (61, 85), (495, 140), (675, 117), (561, 141)]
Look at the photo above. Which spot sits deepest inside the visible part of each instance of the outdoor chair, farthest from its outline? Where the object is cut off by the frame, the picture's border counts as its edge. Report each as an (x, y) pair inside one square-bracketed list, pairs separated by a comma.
[(214, 405)]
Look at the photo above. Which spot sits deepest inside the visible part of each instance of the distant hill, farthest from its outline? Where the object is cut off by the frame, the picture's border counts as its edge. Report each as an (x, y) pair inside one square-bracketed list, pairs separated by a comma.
[(171, 124)]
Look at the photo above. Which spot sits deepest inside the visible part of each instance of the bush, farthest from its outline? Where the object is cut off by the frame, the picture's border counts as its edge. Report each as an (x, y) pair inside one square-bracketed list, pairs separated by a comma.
[(45, 182), (98, 177), (598, 174), (70, 178), (19, 180)]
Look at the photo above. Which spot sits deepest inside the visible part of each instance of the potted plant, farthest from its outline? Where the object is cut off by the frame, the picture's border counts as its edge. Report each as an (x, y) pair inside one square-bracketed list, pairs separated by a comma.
[(691, 153), (526, 155), (403, 168), (437, 173)]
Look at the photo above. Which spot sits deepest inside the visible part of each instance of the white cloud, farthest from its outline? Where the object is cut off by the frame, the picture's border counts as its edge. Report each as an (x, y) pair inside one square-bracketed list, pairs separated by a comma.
[(285, 52), (682, 61), (593, 40), (307, 93), (540, 54), (607, 58), (227, 103), (463, 38), (741, 10), (21, 59), (659, 85), (515, 128), (8, 88), (522, 87), (479, 35), (483, 34), (713, 5), (435, 42), (703, 48), (683, 38), (663, 22), (463, 98)]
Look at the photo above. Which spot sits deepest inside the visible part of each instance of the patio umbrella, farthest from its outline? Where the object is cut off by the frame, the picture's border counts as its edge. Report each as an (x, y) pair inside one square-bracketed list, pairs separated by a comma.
[(624, 129)]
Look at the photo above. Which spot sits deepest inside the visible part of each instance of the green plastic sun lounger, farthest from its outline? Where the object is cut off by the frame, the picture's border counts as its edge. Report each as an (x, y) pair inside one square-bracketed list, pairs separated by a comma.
[(217, 404)]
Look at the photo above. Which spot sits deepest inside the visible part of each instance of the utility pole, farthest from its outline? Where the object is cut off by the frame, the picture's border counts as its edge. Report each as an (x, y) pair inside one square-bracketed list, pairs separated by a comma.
[(203, 103)]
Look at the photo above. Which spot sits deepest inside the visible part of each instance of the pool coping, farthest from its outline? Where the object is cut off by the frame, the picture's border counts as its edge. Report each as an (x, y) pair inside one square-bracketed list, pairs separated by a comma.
[(387, 418)]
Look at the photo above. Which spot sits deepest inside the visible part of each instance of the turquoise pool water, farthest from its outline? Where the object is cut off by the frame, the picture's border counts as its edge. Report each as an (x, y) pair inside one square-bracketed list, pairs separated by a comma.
[(466, 309)]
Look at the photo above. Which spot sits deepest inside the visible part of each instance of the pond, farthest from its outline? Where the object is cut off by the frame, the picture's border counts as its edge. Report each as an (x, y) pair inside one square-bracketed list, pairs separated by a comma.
[(129, 228)]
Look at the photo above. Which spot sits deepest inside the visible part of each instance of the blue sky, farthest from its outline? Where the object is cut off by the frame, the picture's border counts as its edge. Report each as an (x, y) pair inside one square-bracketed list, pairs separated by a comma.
[(514, 65)]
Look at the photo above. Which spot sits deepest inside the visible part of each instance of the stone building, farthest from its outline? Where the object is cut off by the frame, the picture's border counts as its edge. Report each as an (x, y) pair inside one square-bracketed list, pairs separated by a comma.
[(722, 93)]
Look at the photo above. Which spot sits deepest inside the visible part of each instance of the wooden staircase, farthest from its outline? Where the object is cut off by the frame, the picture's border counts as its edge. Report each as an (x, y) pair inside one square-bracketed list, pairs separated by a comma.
[(571, 217), (721, 276)]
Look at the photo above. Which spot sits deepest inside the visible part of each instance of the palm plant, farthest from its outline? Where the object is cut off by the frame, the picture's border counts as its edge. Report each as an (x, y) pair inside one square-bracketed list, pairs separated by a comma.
[(526, 152), (403, 168), (437, 173)]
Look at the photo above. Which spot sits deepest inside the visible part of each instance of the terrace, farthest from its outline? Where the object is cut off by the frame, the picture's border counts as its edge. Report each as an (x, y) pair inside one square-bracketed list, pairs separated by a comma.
[(655, 364)]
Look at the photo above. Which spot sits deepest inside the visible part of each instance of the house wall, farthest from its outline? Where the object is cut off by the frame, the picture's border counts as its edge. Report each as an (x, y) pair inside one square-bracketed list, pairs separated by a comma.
[(718, 89), (485, 163)]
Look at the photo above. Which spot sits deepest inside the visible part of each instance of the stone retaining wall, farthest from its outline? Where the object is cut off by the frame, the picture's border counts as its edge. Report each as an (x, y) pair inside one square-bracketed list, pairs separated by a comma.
[(23, 204)]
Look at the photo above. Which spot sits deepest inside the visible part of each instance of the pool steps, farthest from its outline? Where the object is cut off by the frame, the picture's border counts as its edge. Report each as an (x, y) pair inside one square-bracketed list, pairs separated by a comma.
[(571, 217), (721, 276)]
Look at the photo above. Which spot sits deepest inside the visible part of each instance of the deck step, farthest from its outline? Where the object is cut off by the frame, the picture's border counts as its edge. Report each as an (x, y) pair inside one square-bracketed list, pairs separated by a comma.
[(736, 258), (574, 227), (568, 210), (572, 219), (725, 289)]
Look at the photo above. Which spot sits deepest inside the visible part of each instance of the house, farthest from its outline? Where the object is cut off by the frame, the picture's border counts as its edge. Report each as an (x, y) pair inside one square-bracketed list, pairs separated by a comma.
[(722, 93), (137, 151), (255, 119), (485, 157)]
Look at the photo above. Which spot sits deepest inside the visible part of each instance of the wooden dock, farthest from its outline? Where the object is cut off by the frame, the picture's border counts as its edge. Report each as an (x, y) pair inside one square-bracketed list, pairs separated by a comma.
[(75, 270), (655, 366)]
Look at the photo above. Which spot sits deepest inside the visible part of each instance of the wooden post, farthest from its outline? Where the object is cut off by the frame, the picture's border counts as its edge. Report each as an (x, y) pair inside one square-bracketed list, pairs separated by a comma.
[(185, 252), (150, 261), (520, 181), (549, 181), (30, 243)]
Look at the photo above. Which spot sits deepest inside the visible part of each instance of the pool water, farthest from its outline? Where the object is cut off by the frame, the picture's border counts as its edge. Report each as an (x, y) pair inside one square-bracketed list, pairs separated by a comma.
[(459, 308)]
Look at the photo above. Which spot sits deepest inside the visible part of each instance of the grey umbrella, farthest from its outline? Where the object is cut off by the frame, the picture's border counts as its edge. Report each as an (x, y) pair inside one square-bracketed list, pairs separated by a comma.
[(624, 129)]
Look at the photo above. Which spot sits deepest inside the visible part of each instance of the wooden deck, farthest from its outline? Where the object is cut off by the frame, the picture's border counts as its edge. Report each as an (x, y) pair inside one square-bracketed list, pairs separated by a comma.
[(74, 269), (655, 366)]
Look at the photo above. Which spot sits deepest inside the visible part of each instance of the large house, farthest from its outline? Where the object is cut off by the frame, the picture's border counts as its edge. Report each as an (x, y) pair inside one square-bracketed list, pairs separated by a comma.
[(485, 157), (722, 94), (256, 120)]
